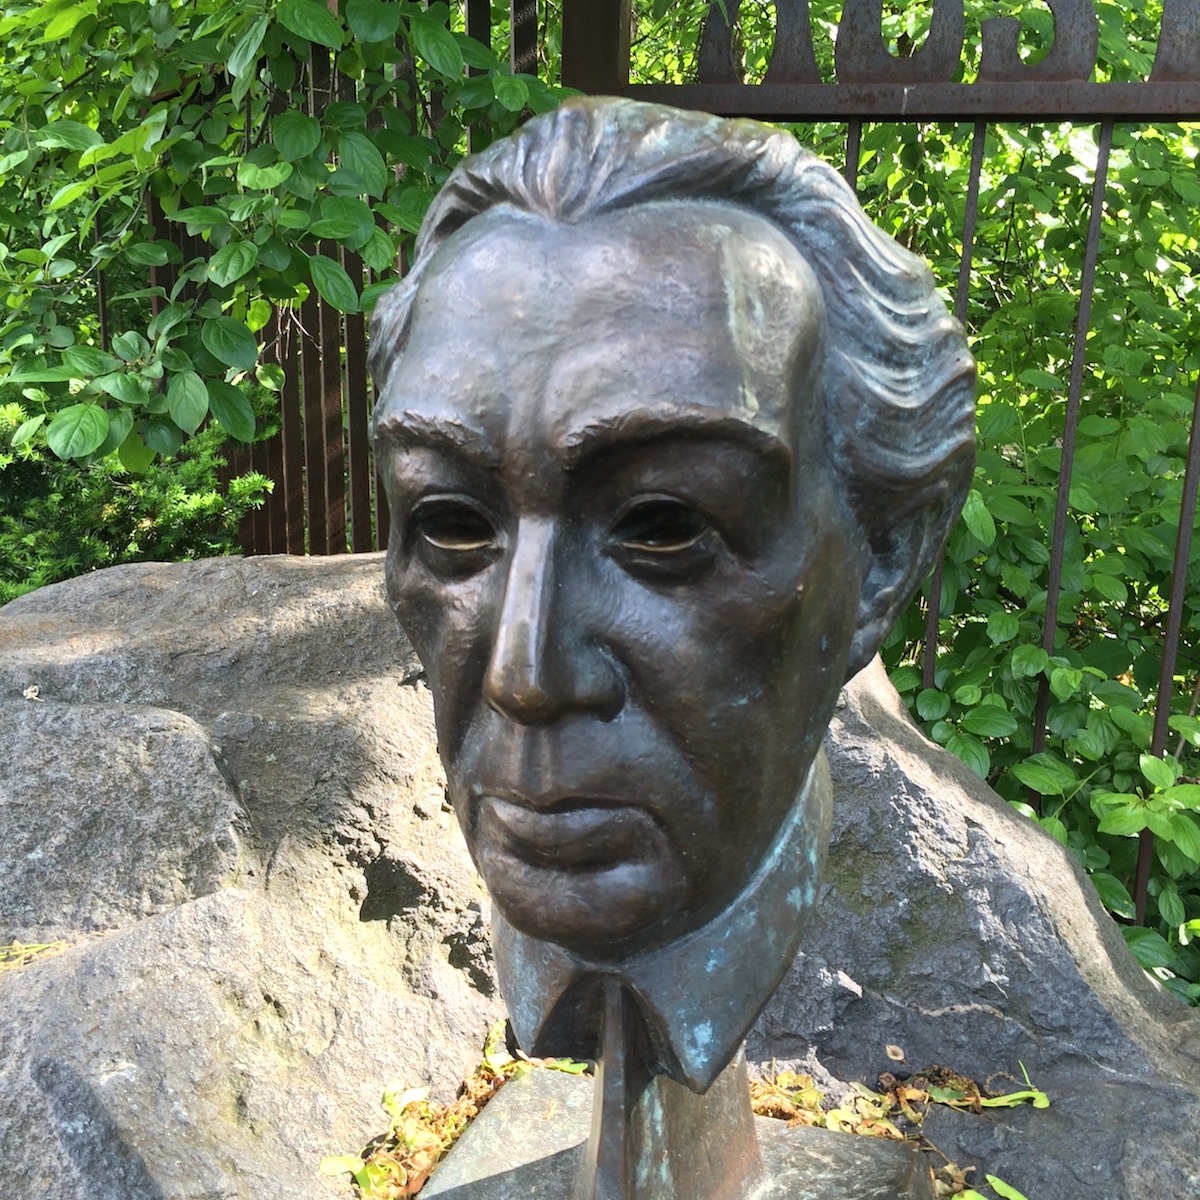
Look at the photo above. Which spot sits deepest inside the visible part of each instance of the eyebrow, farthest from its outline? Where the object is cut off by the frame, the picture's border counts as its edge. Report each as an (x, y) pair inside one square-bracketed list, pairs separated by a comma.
[(684, 422), (412, 430)]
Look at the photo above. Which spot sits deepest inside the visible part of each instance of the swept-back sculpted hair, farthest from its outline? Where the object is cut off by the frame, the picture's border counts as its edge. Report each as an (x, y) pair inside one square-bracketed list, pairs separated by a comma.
[(899, 382)]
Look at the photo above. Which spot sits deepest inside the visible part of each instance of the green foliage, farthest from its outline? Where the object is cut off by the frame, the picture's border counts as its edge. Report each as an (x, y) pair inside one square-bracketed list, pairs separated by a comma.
[(207, 108), (62, 518), (1095, 785)]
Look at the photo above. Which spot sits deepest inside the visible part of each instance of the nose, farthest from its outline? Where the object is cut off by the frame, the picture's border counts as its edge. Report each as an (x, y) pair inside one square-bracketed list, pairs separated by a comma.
[(543, 664)]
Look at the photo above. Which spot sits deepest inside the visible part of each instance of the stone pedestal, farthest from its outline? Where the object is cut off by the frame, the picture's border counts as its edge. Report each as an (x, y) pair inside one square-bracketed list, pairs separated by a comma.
[(528, 1144)]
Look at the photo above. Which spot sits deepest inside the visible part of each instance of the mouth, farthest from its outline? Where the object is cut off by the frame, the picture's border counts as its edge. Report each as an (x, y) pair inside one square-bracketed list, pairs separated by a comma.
[(576, 834)]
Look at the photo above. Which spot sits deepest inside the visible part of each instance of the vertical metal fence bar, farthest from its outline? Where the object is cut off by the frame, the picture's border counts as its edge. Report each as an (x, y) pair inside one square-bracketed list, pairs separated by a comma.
[(961, 295), (853, 148), (523, 35), (595, 45), (314, 442), (260, 518), (479, 26), (332, 434), (1179, 574), (358, 416), (1070, 425), (276, 502), (292, 439)]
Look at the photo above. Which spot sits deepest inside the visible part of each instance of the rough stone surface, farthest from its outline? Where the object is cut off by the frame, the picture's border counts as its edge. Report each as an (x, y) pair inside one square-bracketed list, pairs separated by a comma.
[(954, 928), (227, 796), (275, 916), (116, 812)]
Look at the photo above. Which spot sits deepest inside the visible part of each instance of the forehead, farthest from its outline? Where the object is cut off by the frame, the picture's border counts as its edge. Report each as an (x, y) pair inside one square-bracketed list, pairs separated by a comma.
[(668, 310)]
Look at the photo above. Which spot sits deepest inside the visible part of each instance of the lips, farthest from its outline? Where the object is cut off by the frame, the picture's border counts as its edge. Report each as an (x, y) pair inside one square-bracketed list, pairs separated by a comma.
[(576, 834)]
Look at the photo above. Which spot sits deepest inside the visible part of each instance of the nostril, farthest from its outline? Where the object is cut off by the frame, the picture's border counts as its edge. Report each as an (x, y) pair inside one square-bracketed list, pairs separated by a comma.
[(524, 702)]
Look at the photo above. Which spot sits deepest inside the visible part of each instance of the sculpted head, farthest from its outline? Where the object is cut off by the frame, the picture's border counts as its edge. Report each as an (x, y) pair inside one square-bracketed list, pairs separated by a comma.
[(670, 433)]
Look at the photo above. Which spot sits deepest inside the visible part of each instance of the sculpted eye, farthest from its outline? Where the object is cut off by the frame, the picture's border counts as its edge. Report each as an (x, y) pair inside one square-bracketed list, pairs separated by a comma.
[(449, 525), (660, 525)]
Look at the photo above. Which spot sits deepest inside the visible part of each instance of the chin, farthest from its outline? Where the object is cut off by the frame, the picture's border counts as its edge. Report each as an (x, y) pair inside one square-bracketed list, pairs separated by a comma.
[(605, 912)]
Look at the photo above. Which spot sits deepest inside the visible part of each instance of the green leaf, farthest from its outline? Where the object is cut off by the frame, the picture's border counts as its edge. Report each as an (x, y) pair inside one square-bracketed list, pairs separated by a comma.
[(380, 252), (1187, 795), (373, 20), (134, 455), (977, 518), (131, 346), (147, 254), (162, 434), (1065, 682), (229, 342), (1158, 772), (187, 400), (1185, 835), (1149, 947), (77, 431), (27, 429), (295, 135), (989, 720), (932, 704), (198, 220), (360, 155), (120, 423), (231, 410), (69, 135), (231, 262), (312, 21), (1002, 627), (1114, 894), (1041, 779), (513, 93), (1125, 820), (344, 218), (246, 53), (1005, 1190), (127, 388), (972, 752), (333, 283), (87, 361), (436, 45), (1028, 661), (263, 179)]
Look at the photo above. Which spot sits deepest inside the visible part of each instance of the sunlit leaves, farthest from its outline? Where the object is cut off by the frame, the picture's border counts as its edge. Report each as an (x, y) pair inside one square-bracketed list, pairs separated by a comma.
[(312, 21), (77, 430)]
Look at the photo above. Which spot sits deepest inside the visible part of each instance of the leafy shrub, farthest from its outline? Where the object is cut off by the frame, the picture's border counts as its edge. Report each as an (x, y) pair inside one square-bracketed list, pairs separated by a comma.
[(62, 518)]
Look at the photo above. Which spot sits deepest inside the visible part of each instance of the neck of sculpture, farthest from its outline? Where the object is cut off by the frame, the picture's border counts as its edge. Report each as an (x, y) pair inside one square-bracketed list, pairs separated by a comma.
[(654, 1139)]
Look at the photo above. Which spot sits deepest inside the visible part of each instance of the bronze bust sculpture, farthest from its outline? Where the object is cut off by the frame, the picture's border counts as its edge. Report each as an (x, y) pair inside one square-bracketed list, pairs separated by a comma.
[(670, 433)]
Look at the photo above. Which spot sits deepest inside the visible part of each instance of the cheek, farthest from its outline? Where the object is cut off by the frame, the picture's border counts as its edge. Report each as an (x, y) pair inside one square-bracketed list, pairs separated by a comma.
[(447, 627)]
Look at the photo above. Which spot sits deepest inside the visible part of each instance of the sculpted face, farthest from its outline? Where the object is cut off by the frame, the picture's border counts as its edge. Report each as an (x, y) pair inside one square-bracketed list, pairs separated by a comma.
[(619, 550)]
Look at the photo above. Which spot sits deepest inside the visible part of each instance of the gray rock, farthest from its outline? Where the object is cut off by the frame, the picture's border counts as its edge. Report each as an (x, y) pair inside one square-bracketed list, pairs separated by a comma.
[(229, 782), (111, 813), (956, 929), (278, 918)]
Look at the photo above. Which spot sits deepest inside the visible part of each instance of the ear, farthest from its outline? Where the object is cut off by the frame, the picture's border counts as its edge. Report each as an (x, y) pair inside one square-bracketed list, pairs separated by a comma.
[(899, 559)]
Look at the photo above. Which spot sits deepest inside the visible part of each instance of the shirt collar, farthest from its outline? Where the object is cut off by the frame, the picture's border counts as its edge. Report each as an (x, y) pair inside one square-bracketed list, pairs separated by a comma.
[(698, 995)]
